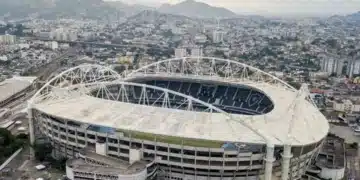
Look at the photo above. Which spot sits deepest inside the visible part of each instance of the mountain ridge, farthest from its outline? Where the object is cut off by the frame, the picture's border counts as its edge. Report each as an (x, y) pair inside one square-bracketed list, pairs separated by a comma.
[(54, 8), (192, 8), (128, 9)]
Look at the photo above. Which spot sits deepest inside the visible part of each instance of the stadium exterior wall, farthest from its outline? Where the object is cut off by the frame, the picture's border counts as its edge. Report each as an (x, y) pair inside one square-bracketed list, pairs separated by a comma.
[(177, 161)]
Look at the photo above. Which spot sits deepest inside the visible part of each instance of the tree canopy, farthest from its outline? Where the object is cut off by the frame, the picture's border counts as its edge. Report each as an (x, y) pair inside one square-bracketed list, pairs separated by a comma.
[(9, 144)]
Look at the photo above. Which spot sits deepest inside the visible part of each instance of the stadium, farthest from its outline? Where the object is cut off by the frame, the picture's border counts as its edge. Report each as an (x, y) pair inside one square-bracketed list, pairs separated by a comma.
[(183, 119)]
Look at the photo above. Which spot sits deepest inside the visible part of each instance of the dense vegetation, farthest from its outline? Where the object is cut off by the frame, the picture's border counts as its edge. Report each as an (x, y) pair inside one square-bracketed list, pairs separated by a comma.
[(10, 143), (43, 150)]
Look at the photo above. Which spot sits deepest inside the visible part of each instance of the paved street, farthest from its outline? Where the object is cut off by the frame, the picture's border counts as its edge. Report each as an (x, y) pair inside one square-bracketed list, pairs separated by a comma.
[(345, 132), (15, 164)]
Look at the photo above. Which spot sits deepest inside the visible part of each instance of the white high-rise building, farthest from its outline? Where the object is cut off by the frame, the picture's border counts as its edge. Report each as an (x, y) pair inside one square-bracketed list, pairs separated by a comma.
[(180, 52), (332, 65), (218, 36), (196, 52), (64, 35), (71, 36), (54, 45), (353, 68), (7, 39)]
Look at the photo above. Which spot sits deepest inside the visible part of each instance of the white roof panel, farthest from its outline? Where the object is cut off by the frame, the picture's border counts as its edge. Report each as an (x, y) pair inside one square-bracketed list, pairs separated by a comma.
[(309, 124)]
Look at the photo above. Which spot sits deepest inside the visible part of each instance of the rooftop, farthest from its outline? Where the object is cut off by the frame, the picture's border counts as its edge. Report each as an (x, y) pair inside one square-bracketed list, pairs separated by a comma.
[(14, 85), (113, 166), (83, 166), (332, 153), (105, 159), (309, 124)]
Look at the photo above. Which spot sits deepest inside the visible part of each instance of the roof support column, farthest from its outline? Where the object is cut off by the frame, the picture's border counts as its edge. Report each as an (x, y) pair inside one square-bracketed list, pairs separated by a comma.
[(31, 129), (286, 156), (269, 159)]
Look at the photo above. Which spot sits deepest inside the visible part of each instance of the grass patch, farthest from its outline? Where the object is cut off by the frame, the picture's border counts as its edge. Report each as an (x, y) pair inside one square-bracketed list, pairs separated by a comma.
[(172, 139)]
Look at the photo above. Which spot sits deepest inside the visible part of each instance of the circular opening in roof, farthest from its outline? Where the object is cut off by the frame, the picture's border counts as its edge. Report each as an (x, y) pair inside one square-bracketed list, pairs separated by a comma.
[(235, 99)]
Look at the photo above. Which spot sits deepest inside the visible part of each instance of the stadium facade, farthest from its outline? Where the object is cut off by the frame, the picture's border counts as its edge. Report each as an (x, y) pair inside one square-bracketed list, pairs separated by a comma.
[(184, 118)]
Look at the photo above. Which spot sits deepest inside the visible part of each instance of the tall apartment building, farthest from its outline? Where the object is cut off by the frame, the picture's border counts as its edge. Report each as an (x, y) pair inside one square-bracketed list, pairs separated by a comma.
[(332, 65), (63, 35), (180, 52), (353, 68), (7, 39), (218, 36), (196, 52)]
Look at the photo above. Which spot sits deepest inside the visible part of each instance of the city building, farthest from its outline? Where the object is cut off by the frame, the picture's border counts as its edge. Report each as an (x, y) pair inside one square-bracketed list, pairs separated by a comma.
[(332, 65), (7, 39), (330, 162), (218, 36), (54, 45), (353, 68), (200, 38), (4, 58), (180, 52), (346, 105), (63, 35), (196, 52), (178, 117)]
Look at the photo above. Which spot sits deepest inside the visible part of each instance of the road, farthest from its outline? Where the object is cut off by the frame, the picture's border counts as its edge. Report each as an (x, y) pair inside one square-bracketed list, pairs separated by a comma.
[(42, 74), (22, 157), (47, 69), (20, 100)]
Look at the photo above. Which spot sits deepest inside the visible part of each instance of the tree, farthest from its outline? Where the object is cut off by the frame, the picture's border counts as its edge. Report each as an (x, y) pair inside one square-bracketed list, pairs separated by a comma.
[(6, 135), (219, 53), (59, 164), (332, 43), (22, 136), (8, 144), (354, 145), (19, 30), (168, 34), (120, 69), (296, 85), (42, 150)]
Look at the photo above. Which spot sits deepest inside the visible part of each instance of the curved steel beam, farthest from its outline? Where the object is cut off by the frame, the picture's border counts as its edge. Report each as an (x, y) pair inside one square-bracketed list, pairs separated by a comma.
[(126, 75), (48, 83)]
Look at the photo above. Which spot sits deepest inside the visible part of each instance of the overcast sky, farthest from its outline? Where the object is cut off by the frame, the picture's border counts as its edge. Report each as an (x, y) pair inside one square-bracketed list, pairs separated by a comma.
[(274, 7)]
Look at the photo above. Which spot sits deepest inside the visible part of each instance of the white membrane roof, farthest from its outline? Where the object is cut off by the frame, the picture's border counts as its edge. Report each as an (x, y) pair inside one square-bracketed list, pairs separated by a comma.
[(308, 126)]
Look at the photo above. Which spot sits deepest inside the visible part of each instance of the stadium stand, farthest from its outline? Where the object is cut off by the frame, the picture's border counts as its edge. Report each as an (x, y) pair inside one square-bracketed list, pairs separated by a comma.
[(230, 98)]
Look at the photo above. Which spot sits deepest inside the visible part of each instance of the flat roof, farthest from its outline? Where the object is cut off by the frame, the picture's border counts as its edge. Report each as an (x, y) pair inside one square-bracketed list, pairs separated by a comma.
[(309, 125), (14, 85), (81, 165), (114, 166), (334, 153), (105, 159)]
